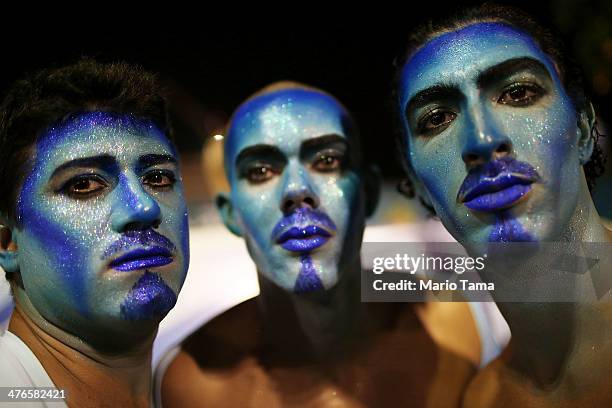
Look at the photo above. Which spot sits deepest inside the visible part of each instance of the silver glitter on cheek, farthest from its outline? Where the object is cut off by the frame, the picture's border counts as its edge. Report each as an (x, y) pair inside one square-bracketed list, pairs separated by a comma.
[(65, 234)]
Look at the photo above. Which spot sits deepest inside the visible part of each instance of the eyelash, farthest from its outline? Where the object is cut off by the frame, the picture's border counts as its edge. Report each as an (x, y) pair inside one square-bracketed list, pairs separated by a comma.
[(321, 165), (261, 172), (164, 173), (69, 188), (535, 89), (423, 121)]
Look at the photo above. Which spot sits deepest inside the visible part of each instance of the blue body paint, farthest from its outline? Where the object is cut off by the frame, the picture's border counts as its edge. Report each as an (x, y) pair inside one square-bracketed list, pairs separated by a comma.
[(508, 229), (72, 248), (497, 185), (308, 279), (303, 230), (325, 221), (149, 298), (136, 238), (495, 165)]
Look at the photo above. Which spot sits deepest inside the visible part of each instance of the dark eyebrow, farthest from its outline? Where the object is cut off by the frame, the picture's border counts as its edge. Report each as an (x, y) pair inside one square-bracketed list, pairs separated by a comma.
[(316, 142), (102, 161), (509, 67), (435, 92), (150, 160), (257, 150)]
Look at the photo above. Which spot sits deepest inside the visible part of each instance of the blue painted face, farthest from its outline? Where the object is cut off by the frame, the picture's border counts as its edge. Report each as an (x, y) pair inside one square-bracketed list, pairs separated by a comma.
[(493, 138), (102, 232), (297, 196)]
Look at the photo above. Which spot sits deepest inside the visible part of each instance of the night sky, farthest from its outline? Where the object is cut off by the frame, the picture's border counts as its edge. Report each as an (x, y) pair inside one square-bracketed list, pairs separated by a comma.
[(211, 64)]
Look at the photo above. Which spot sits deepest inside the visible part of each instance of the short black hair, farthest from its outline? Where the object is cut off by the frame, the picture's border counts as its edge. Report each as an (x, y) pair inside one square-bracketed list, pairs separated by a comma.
[(546, 38), (52, 96)]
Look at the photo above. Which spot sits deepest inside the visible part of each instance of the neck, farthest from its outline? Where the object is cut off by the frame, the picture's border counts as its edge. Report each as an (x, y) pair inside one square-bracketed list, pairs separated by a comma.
[(90, 378), (554, 342), (317, 325), (585, 225)]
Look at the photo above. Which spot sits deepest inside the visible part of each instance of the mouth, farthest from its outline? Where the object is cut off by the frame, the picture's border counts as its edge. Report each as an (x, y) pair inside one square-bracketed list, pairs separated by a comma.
[(142, 258), (492, 194), (303, 239)]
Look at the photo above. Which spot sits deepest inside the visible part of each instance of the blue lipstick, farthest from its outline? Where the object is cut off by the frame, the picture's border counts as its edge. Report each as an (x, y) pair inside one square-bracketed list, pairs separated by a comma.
[(142, 258), (303, 239), (497, 194), (498, 185), (303, 230)]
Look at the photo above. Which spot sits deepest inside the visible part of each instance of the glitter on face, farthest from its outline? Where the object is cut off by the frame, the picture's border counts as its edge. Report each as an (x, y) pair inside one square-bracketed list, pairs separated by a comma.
[(542, 134), (67, 242), (508, 229), (328, 225), (149, 298), (308, 280)]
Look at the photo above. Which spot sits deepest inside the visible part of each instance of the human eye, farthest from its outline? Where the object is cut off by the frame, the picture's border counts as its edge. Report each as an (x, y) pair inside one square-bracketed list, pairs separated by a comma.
[(435, 121), (84, 186), (159, 179), (521, 94), (328, 161), (258, 173)]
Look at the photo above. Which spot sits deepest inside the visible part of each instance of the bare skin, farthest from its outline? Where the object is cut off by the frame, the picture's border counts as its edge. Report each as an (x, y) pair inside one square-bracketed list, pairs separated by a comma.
[(560, 354), (278, 350), (89, 378)]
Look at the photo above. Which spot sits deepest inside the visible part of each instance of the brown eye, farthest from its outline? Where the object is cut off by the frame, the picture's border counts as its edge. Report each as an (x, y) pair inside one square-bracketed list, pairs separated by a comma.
[(84, 186), (435, 121), (259, 174), (159, 179), (520, 95), (327, 163)]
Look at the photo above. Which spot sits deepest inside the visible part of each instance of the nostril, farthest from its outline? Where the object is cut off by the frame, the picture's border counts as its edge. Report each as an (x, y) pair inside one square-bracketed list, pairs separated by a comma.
[(288, 205), (503, 149), (470, 158), (310, 201)]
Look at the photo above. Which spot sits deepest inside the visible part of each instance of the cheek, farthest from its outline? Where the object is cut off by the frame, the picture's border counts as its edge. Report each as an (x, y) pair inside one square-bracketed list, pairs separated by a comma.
[(546, 139), (439, 167), (258, 210), (63, 236), (341, 198)]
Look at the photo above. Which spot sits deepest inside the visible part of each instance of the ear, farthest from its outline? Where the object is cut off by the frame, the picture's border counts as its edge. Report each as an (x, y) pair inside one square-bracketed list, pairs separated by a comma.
[(372, 180), (8, 251), (586, 126), (226, 210), (412, 187)]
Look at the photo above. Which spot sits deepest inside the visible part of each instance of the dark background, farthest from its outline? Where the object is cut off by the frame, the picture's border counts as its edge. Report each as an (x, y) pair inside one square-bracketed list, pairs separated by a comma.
[(211, 63)]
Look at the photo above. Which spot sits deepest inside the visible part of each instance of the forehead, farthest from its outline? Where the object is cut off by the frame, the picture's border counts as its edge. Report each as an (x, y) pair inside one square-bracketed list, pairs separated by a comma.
[(457, 56), (97, 133), (285, 119)]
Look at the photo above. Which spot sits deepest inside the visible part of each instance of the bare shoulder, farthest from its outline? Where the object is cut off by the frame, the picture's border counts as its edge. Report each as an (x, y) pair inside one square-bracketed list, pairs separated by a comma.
[(214, 360), (227, 338), (499, 385)]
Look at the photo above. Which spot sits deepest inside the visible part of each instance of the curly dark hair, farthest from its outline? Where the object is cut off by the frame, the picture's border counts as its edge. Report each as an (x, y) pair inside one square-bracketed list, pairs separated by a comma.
[(548, 41), (52, 96)]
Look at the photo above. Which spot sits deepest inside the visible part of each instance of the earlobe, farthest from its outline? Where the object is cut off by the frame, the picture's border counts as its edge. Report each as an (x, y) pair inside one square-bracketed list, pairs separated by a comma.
[(8, 251), (586, 127), (226, 210), (411, 187), (372, 182)]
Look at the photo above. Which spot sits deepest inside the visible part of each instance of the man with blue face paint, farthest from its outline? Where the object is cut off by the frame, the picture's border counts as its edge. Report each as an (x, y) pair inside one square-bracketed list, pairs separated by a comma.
[(95, 235), (299, 196), (500, 141)]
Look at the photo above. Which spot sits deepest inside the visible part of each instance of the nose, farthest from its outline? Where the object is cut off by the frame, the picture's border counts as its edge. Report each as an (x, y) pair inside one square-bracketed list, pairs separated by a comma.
[(136, 209), (485, 141), (297, 190)]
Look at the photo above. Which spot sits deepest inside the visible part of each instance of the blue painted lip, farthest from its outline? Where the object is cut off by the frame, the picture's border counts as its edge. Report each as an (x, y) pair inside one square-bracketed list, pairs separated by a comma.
[(493, 200), (142, 258), (303, 239)]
